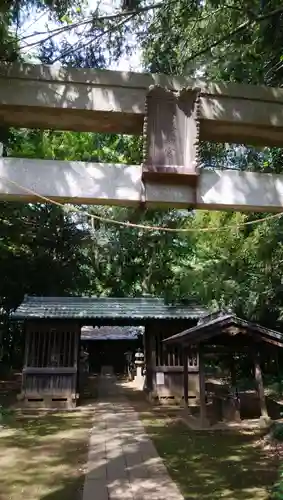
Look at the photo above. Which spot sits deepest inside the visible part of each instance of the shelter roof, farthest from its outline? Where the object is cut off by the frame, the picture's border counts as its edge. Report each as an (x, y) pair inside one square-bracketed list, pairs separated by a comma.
[(224, 322), (104, 308), (111, 333)]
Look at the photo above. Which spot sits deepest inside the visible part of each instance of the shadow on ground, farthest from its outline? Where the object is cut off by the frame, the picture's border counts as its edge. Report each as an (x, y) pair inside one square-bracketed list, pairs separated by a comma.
[(208, 465), (43, 457)]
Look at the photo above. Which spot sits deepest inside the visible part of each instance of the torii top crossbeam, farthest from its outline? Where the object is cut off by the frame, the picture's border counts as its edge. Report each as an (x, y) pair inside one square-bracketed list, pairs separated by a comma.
[(112, 101), (174, 117)]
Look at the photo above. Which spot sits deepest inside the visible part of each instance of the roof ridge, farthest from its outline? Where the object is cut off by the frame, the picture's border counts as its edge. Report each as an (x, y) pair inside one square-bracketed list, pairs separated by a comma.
[(91, 297), (44, 298)]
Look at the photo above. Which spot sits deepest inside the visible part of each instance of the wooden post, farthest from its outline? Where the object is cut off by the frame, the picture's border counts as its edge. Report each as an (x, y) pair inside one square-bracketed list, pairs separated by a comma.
[(148, 340), (27, 345), (26, 358), (74, 356), (186, 377), (202, 387), (153, 361), (259, 383), (237, 414), (77, 342)]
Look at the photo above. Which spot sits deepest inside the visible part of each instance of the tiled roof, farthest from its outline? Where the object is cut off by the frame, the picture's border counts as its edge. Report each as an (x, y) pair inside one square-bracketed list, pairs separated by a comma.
[(214, 324), (104, 308), (111, 332)]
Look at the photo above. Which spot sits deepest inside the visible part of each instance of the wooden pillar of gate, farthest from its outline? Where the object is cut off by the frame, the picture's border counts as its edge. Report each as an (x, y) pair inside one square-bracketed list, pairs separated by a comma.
[(186, 377), (202, 393), (236, 400), (149, 340), (171, 136)]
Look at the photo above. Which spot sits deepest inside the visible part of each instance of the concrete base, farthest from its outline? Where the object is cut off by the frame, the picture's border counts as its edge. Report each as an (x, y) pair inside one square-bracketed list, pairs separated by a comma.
[(48, 402)]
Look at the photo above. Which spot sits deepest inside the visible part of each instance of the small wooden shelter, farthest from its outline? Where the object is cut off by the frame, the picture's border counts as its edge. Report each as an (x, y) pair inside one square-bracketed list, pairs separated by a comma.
[(52, 337), (224, 333)]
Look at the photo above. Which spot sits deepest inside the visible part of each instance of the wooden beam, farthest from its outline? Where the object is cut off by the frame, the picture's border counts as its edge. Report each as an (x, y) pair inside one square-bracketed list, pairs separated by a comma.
[(110, 184), (49, 370), (110, 101), (264, 338)]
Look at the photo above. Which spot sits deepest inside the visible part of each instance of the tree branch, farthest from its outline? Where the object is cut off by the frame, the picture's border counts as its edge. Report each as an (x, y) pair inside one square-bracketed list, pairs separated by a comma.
[(241, 27), (94, 39), (91, 20)]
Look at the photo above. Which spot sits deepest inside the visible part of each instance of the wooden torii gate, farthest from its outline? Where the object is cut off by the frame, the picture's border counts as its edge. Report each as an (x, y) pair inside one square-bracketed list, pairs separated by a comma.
[(173, 114)]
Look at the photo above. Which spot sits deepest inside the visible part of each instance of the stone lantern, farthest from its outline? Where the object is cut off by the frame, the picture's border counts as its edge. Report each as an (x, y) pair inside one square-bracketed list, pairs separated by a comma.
[(139, 363)]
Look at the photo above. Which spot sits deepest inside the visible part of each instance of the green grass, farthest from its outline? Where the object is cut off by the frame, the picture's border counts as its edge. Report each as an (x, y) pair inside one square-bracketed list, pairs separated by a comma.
[(43, 457), (213, 465)]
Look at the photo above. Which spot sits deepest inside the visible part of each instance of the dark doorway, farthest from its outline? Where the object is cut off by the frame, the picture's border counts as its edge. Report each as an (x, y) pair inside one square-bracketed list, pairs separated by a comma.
[(107, 346)]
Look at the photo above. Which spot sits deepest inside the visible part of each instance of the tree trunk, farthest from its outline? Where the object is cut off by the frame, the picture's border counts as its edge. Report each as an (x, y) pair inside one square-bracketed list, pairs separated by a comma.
[(259, 383)]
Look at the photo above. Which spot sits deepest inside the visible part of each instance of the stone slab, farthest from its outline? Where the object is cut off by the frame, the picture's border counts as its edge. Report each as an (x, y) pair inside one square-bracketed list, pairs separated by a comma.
[(95, 490), (123, 465)]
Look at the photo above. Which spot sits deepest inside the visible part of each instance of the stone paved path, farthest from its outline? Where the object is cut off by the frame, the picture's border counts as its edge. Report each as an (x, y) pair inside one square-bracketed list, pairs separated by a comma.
[(122, 461)]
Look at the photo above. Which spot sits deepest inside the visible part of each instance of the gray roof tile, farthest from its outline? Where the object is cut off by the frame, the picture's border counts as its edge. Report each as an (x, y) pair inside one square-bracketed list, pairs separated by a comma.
[(104, 308), (214, 324)]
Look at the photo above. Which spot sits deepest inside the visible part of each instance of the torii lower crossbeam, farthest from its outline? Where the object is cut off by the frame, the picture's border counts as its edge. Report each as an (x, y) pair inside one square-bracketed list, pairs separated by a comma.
[(110, 184)]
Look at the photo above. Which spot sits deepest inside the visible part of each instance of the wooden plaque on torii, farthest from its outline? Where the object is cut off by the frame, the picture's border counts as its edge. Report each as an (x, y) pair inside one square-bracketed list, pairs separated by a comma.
[(171, 136)]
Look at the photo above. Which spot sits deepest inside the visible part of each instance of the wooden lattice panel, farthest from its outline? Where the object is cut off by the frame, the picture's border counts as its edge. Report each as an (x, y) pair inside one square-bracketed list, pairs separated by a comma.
[(169, 355), (47, 346), (50, 368), (171, 136)]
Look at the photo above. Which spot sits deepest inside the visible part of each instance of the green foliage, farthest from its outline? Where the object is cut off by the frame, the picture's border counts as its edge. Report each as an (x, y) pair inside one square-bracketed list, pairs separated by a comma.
[(277, 492), (277, 431), (40, 252), (53, 144), (238, 267), (222, 40), (5, 415)]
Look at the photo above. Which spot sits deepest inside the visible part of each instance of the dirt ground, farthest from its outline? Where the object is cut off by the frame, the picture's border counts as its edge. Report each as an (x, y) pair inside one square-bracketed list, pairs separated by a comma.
[(43, 456)]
